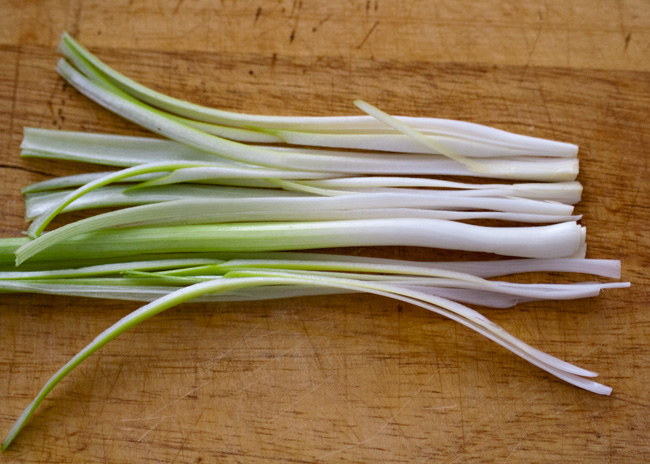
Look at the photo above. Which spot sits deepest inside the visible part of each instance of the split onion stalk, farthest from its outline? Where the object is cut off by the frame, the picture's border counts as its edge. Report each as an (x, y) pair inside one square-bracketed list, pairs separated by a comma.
[(433, 286), (217, 209)]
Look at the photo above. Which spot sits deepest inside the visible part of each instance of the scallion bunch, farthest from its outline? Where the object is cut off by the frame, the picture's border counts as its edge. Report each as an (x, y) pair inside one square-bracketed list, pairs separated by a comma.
[(218, 209)]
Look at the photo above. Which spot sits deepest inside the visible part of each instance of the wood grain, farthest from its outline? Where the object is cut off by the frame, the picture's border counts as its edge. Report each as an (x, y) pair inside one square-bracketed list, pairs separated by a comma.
[(354, 378)]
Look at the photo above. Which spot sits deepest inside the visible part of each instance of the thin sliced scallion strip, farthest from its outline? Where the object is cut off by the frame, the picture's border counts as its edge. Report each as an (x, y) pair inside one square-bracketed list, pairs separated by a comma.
[(151, 292), (237, 134), (598, 267), (159, 122), (125, 324), (484, 269), (434, 283), (108, 269), (404, 274), (210, 173), (42, 221), (526, 167), (442, 279), (475, 297), (449, 308), (530, 169), (318, 183), (471, 147), (506, 192), (88, 289), (436, 146), (564, 192), (435, 199), (129, 151), (75, 52), (148, 293), (359, 270), (77, 180), (100, 149), (248, 209), (109, 149), (512, 208), (455, 311), (119, 195), (126, 279), (567, 195), (72, 282), (195, 211), (392, 268)]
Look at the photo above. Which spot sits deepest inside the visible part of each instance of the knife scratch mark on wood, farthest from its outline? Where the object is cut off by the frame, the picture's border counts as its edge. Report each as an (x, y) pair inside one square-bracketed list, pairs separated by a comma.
[(250, 384), (384, 425), (24, 168), (13, 98), (321, 22), (518, 445), (459, 372), (630, 401), (300, 398), (532, 51), (628, 37), (374, 26), (114, 381), (246, 337), (315, 350), (571, 406), (152, 428), (178, 6), (217, 359), (264, 366), (177, 400), (295, 7), (76, 19)]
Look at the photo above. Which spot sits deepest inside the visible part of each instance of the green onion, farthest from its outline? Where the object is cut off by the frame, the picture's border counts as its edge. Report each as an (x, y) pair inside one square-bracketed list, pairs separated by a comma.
[(244, 279), (212, 213), (554, 241), (452, 129), (99, 84)]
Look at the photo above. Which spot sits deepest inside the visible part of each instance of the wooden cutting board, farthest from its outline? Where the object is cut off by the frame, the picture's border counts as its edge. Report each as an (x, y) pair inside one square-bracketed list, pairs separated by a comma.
[(343, 378)]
